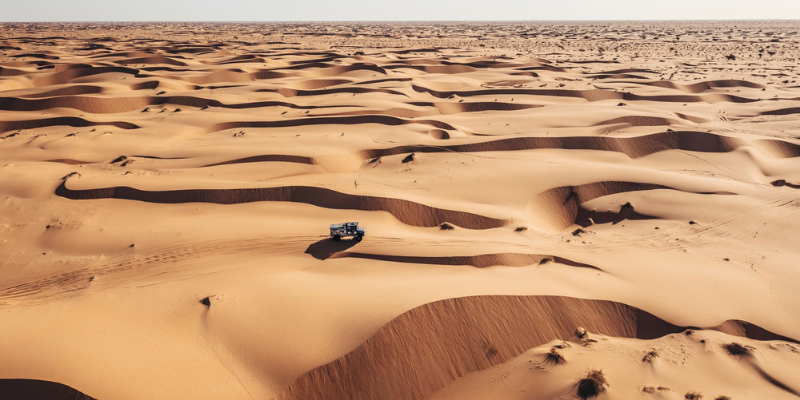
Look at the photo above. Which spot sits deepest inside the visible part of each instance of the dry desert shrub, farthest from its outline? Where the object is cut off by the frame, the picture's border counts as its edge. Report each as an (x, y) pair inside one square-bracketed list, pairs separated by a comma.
[(735, 349), (554, 357), (650, 356), (592, 385), (693, 396), (446, 227)]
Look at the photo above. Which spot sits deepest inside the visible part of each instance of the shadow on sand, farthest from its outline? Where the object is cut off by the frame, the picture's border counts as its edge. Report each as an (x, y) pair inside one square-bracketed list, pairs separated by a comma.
[(23, 389), (325, 248)]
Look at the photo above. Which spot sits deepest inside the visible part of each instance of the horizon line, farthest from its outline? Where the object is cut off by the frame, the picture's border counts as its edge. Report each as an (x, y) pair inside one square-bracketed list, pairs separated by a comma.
[(405, 21)]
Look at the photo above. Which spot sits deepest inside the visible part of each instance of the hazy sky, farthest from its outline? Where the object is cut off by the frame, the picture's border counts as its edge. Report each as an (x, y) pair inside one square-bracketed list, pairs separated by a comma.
[(393, 10)]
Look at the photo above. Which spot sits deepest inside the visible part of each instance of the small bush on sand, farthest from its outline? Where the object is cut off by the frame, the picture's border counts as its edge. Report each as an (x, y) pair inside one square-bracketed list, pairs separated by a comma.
[(592, 385), (722, 398), (650, 356), (554, 357), (735, 349), (446, 227), (521, 229), (693, 396)]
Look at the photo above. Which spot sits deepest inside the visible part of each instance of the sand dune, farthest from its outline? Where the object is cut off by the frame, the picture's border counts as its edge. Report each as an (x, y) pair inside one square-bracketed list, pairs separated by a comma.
[(435, 343), (166, 191)]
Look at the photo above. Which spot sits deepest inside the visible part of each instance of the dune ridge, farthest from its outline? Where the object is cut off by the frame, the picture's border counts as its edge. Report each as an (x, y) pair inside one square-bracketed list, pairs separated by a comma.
[(634, 147), (405, 211), (589, 95), (101, 105), (75, 122)]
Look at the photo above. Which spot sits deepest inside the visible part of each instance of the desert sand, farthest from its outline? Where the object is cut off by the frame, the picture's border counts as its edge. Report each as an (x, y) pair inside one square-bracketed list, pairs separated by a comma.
[(541, 201)]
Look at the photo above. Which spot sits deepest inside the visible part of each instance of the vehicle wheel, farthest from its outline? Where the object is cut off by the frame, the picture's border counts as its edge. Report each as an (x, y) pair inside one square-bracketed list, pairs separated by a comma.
[(357, 238), (336, 238)]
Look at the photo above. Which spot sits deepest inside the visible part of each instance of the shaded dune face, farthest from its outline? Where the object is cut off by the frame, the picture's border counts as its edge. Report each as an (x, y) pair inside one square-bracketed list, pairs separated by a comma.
[(428, 347), (26, 389), (635, 147), (405, 211), (76, 122), (478, 261), (562, 206), (589, 95)]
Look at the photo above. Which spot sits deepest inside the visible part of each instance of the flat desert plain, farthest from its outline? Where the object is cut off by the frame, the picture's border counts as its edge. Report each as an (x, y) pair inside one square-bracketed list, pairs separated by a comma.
[(552, 211)]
